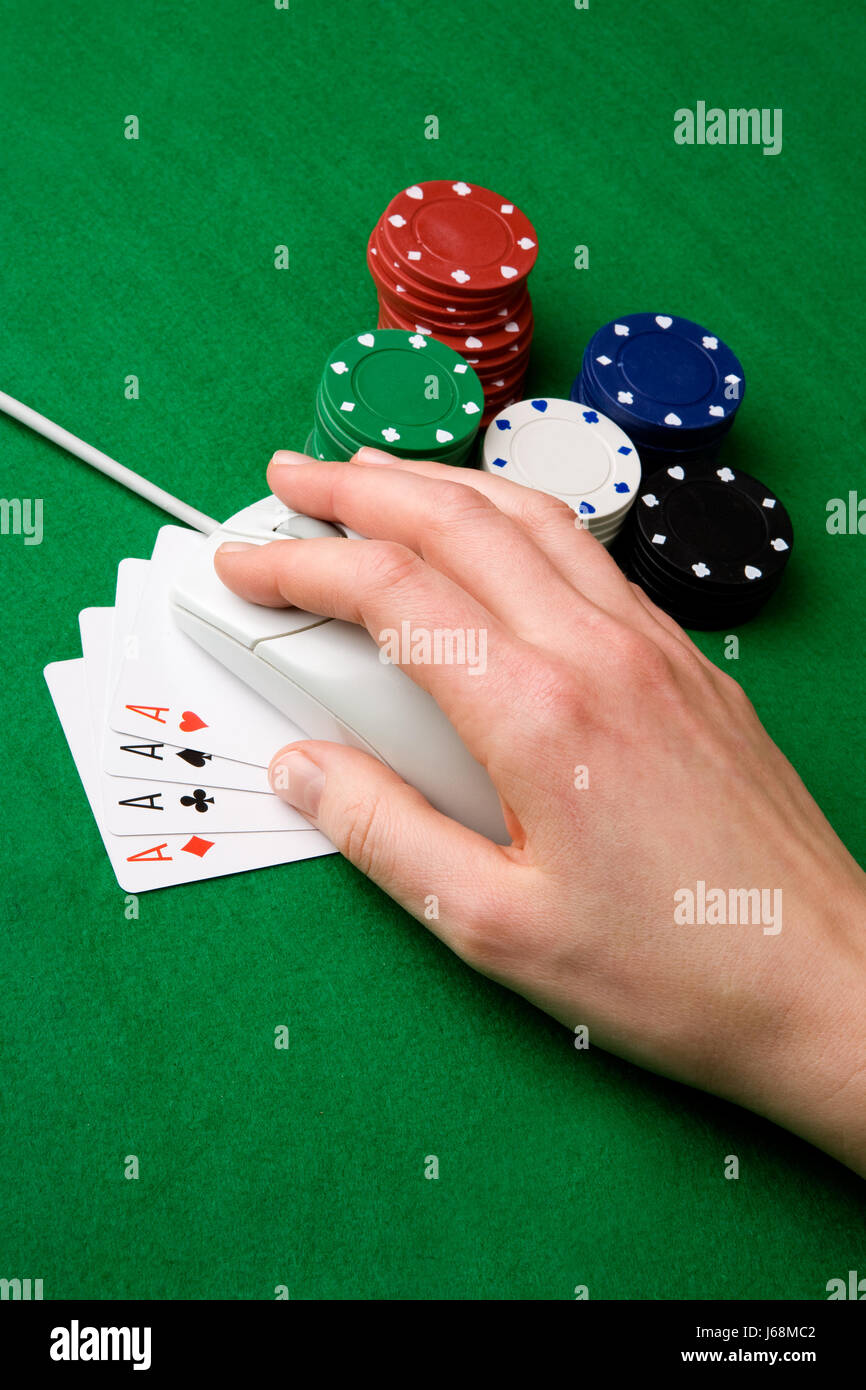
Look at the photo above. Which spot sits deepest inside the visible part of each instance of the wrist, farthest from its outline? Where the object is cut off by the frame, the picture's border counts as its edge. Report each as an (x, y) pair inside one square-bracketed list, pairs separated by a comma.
[(814, 1074)]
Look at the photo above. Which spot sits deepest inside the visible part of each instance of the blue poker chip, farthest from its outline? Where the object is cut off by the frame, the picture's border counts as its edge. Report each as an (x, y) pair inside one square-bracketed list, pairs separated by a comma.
[(664, 447), (663, 439), (662, 377)]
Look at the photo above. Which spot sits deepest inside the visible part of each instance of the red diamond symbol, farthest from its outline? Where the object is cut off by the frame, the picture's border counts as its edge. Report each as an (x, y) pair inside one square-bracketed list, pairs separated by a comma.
[(197, 846)]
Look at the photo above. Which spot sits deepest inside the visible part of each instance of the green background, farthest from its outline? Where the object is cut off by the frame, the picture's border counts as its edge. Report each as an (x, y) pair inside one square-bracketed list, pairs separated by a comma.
[(155, 1037)]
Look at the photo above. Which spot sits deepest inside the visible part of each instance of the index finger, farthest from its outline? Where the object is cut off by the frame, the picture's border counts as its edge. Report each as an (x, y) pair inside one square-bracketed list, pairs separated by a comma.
[(571, 549), (439, 635)]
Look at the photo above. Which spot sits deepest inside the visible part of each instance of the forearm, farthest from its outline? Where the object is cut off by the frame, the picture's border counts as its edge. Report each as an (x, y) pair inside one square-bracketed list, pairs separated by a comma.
[(811, 1073)]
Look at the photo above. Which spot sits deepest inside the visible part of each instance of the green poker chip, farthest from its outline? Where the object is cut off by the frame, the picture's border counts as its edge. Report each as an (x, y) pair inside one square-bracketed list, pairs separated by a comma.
[(314, 446), (338, 443), (403, 392)]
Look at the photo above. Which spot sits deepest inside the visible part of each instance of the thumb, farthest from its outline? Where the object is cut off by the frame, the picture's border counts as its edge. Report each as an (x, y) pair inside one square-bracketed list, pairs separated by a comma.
[(393, 835)]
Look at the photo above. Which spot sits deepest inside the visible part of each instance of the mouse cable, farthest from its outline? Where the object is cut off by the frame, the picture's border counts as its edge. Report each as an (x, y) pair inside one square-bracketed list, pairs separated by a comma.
[(134, 481)]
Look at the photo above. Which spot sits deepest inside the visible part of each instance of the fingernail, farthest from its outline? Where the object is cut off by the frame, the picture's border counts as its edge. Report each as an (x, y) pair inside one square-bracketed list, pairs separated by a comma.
[(228, 546), (369, 455), (289, 456), (296, 779)]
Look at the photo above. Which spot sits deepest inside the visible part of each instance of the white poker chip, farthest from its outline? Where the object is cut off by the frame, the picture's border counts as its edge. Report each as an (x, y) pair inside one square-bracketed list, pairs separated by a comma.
[(568, 450)]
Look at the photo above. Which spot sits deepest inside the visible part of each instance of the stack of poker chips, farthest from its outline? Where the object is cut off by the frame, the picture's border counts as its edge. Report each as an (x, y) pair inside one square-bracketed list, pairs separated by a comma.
[(708, 544), (451, 260), (671, 385), (398, 391), (571, 452)]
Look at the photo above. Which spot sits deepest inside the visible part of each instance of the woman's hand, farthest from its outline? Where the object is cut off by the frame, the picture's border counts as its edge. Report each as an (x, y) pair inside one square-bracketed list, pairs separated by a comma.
[(631, 771)]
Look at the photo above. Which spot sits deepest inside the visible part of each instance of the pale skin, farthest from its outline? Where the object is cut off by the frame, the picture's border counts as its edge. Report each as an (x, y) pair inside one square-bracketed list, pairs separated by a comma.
[(577, 913)]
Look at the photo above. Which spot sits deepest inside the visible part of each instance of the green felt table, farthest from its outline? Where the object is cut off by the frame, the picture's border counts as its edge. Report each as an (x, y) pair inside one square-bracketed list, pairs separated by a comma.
[(262, 127)]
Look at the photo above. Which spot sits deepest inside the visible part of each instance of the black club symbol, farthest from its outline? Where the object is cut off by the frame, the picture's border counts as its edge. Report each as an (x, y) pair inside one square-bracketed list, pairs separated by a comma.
[(199, 800)]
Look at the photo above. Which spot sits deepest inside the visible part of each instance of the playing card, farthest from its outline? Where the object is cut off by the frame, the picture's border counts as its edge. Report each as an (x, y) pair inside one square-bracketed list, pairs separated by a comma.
[(168, 688), (149, 759), (134, 806), (157, 861)]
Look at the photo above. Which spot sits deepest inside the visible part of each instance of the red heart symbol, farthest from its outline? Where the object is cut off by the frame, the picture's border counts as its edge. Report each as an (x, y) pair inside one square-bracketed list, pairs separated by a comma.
[(191, 722)]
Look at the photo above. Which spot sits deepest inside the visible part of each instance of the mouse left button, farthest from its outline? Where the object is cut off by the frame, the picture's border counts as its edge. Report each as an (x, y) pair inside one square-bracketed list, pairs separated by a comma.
[(199, 590)]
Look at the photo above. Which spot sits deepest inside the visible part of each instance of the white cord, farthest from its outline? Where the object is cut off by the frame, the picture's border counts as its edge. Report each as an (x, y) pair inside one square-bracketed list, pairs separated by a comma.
[(134, 481)]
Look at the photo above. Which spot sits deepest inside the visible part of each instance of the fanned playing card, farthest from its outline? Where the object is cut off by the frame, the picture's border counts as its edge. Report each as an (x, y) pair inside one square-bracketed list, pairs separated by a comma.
[(168, 688), (158, 760), (141, 863), (172, 812), (135, 805)]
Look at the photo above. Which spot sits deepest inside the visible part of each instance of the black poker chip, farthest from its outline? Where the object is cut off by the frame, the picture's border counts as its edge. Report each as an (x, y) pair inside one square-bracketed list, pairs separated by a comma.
[(712, 525), (697, 598), (658, 566), (696, 612), (708, 543)]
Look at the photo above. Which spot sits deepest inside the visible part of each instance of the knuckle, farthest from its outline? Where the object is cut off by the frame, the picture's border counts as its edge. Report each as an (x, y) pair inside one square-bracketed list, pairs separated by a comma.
[(389, 565), (639, 657), (485, 938), (456, 503), (734, 692), (539, 511), (553, 698), (663, 619), (364, 834)]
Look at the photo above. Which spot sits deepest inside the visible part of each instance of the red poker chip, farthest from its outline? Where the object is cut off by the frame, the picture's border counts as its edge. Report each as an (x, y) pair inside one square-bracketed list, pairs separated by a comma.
[(508, 367), (503, 338), (455, 316), (493, 407), (505, 369), (427, 234), (505, 365), (448, 315), (399, 292), (497, 380), (386, 271), (457, 323), (493, 392), (500, 337), (460, 236)]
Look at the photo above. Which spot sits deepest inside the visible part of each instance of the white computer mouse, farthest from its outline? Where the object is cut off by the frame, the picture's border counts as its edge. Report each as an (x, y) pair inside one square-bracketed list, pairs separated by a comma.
[(327, 675)]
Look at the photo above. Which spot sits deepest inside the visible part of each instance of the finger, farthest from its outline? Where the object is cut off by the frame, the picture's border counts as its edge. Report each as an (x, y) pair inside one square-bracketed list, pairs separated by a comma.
[(381, 585), (671, 627), (553, 526), (438, 870), (455, 529)]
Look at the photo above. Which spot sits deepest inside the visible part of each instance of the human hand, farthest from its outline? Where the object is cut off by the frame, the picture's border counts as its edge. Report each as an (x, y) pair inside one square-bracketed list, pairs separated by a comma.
[(683, 786)]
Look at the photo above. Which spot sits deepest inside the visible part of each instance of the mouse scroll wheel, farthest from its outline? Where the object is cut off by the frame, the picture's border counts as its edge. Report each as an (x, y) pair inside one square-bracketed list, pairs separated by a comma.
[(307, 528)]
